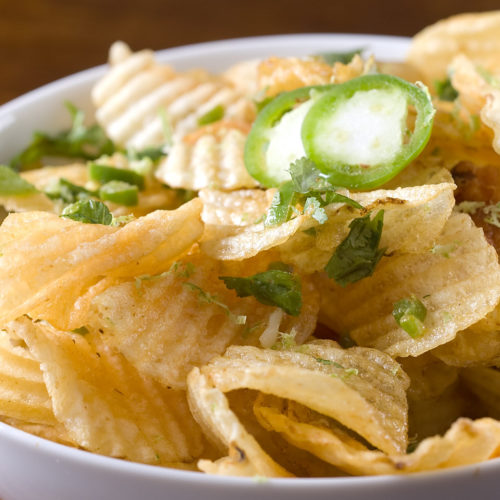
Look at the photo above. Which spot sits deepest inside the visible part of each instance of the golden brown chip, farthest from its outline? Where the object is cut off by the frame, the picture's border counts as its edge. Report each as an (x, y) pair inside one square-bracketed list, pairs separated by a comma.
[(74, 261), (169, 323), (23, 395), (368, 386), (105, 405), (458, 281), (474, 35), (466, 442), (211, 410), (214, 160)]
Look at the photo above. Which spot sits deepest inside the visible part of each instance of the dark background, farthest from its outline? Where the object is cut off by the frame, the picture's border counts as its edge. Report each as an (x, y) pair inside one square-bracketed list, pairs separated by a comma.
[(41, 41)]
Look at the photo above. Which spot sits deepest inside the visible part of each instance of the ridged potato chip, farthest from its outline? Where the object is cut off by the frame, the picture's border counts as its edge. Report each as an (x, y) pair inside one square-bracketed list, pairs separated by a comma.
[(211, 410), (214, 160), (474, 35), (466, 442), (169, 323), (133, 93), (23, 395), (74, 261), (104, 404), (458, 282), (369, 387), (414, 217)]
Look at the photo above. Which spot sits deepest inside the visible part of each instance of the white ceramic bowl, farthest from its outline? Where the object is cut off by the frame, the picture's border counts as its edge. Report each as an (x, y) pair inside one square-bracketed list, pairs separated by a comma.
[(35, 469)]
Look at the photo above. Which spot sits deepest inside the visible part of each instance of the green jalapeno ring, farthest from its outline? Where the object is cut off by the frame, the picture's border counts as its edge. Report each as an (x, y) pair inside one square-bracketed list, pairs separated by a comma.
[(259, 137), (354, 176)]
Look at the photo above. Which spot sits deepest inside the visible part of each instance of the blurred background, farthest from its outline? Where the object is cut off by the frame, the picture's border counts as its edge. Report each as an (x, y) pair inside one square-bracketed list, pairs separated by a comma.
[(42, 40)]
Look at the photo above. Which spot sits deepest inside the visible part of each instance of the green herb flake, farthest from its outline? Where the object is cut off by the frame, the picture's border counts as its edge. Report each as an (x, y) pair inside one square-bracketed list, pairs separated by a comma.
[(214, 115), (469, 207), (83, 330), (273, 287), (445, 90), (62, 189), (213, 299), (80, 141), (445, 250), (88, 212), (12, 184), (358, 254), (153, 153), (410, 315)]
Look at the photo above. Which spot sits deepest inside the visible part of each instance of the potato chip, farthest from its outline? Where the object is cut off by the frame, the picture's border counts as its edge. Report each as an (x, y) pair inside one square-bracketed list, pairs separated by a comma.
[(235, 208), (215, 160), (478, 345), (244, 77), (211, 410), (134, 92), (414, 217), (104, 404), (282, 74), (474, 35), (458, 282), (141, 317), (55, 432), (23, 395), (466, 442), (74, 259), (364, 381)]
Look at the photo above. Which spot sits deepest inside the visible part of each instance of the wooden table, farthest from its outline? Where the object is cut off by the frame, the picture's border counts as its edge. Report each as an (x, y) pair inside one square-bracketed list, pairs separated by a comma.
[(42, 40)]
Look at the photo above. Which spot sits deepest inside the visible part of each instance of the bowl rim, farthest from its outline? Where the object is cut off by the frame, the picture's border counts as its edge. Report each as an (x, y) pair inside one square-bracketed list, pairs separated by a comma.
[(115, 465)]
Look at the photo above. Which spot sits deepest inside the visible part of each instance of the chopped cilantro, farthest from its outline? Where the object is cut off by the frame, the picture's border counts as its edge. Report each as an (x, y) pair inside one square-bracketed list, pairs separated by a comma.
[(445, 250), (469, 207), (286, 341), (214, 115), (89, 212), (80, 141), (445, 90), (212, 299), (273, 287), (12, 184), (410, 315), (83, 330), (154, 153), (344, 57), (356, 257)]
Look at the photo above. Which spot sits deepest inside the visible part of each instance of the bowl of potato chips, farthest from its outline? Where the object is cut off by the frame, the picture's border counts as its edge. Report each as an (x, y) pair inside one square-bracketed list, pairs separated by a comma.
[(263, 267)]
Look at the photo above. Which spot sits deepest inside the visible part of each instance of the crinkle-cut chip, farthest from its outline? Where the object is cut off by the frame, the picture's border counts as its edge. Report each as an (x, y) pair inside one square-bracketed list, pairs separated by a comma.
[(413, 219), (361, 388), (211, 410), (478, 345), (475, 35), (282, 74), (243, 76), (104, 404), (56, 432), (235, 208), (132, 95), (74, 261), (23, 394), (167, 324), (458, 282), (466, 442), (485, 384), (213, 161)]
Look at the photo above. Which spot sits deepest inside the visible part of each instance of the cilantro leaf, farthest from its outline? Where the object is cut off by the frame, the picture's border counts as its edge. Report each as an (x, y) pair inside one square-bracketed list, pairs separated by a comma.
[(281, 208), (214, 115), (445, 90), (80, 141), (342, 57), (356, 257), (89, 212), (307, 177), (410, 315), (273, 288), (12, 184)]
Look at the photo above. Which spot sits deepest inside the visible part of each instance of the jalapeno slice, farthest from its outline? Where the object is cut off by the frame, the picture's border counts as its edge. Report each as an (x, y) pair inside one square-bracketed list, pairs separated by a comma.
[(107, 173), (357, 132), (275, 141), (119, 192)]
